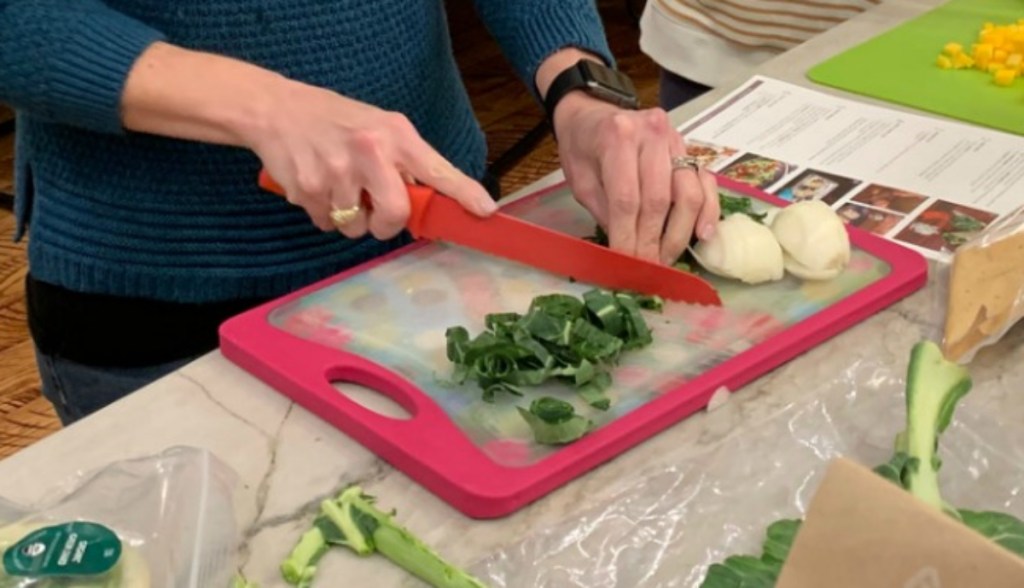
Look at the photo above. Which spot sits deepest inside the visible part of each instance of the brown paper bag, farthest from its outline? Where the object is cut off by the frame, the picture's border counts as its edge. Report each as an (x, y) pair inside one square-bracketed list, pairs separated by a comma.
[(862, 531)]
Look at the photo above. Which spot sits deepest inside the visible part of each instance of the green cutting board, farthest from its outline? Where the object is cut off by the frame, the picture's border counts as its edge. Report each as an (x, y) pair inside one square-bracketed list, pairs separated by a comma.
[(899, 66)]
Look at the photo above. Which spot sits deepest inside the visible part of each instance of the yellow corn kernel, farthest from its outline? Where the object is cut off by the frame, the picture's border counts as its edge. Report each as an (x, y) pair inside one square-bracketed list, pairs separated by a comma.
[(1004, 77), (962, 60), (998, 50), (983, 55)]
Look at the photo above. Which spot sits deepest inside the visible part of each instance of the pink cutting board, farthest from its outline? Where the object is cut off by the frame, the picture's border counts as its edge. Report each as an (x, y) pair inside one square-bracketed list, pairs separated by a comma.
[(381, 325)]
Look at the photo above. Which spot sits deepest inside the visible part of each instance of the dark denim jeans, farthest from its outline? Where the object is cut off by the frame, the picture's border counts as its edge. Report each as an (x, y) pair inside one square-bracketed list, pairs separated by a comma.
[(78, 390)]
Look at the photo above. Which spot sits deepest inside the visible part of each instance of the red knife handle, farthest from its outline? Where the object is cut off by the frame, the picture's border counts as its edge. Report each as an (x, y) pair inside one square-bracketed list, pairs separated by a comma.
[(270, 184), (420, 198)]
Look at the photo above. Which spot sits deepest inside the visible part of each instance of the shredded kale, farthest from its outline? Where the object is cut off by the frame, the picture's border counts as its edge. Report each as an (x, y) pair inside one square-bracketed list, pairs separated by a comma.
[(554, 421), (560, 338)]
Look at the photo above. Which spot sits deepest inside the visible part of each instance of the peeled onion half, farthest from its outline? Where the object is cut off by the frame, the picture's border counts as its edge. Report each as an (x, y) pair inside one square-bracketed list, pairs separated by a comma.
[(813, 238), (741, 249)]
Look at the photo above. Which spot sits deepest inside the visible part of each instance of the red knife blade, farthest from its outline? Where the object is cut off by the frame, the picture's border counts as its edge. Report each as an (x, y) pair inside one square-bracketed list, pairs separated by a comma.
[(434, 216)]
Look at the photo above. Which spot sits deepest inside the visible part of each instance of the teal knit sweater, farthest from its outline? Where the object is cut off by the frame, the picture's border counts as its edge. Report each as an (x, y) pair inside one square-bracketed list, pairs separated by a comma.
[(128, 214)]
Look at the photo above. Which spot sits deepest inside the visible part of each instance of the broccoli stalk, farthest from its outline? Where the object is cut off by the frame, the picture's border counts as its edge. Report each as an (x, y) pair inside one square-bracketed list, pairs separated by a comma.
[(353, 521), (240, 581), (300, 567), (934, 386)]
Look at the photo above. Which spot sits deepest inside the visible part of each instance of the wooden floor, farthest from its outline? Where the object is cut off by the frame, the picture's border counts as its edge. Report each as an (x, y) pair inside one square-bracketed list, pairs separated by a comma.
[(505, 110)]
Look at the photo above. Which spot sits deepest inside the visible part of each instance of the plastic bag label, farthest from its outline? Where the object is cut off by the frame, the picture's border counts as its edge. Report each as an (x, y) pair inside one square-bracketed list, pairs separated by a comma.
[(72, 549)]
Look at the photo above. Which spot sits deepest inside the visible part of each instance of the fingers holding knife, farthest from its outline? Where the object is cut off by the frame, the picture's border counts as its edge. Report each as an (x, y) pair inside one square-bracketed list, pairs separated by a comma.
[(348, 164)]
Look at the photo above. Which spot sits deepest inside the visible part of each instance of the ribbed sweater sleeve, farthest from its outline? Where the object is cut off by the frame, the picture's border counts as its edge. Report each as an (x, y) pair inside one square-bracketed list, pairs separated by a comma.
[(67, 62), (529, 31)]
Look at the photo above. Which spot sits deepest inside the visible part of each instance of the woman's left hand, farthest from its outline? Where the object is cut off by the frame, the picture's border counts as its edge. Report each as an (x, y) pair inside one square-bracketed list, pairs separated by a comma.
[(619, 164)]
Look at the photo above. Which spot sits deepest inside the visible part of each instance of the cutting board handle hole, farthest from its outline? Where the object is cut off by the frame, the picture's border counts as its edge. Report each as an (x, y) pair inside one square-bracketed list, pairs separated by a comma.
[(373, 401)]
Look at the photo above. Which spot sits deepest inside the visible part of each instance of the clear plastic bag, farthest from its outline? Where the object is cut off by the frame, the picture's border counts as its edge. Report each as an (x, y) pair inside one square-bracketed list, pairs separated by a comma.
[(984, 288), (173, 513), (664, 527)]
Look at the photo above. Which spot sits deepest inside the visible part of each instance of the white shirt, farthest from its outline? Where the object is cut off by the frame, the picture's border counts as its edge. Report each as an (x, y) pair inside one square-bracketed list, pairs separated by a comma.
[(711, 41)]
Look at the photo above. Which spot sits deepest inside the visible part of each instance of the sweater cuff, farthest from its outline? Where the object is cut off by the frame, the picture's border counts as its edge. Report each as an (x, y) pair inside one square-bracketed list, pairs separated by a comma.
[(539, 29), (78, 65)]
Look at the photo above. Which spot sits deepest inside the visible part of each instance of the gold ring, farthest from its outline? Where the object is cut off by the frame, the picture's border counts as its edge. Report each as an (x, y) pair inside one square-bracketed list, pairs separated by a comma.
[(343, 216), (684, 162)]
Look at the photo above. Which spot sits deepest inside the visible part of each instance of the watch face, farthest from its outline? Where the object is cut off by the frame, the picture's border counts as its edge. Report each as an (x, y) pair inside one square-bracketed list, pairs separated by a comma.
[(609, 83)]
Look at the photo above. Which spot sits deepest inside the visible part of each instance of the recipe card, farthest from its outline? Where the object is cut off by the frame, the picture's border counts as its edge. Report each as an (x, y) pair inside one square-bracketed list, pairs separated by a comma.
[(926, 183)]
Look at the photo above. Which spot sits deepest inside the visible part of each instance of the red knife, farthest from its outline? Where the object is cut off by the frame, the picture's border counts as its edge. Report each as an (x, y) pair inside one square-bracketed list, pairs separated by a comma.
[(434, 216)]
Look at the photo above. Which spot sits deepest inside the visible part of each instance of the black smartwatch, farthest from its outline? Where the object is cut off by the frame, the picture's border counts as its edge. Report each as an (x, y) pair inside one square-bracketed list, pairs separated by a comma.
[(596, 80)]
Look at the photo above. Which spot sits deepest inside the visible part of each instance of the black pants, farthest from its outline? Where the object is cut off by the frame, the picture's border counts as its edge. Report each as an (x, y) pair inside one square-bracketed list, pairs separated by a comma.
[(675, 90)]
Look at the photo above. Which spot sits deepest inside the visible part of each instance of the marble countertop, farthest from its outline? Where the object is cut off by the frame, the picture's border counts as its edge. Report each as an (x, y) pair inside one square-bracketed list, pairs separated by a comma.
[(288, 460)]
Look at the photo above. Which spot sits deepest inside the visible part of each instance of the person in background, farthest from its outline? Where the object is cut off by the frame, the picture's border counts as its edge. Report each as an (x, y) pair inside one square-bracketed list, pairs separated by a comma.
[(700, 44), (143, 124)]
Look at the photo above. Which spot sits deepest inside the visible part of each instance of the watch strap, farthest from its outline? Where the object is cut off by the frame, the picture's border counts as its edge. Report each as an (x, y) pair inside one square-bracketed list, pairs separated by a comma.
[(567, 81)]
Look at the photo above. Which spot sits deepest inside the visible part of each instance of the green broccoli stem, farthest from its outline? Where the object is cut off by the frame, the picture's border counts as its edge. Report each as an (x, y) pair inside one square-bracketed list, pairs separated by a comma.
[(340, 513), (934, 386), (406, 550), (412, 555), (300, 567), (240, 581)]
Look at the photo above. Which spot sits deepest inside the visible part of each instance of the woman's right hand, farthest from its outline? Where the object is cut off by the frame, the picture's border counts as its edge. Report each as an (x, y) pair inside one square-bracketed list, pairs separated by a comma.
[(330, 152), (324, 149)]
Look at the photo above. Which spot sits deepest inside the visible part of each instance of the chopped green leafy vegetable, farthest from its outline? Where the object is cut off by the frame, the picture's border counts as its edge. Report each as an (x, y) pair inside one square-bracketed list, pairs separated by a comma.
[(600, 236), (560, 337), (745, 571), (351, 520), (742, 571), (1002, 528), (779, 540), (934, 387), (739, 205), (554, 421)]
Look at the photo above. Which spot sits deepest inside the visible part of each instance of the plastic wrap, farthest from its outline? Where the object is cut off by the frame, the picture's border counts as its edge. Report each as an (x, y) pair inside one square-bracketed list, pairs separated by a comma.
[(984, 288), (664, 527), (174, 509)]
